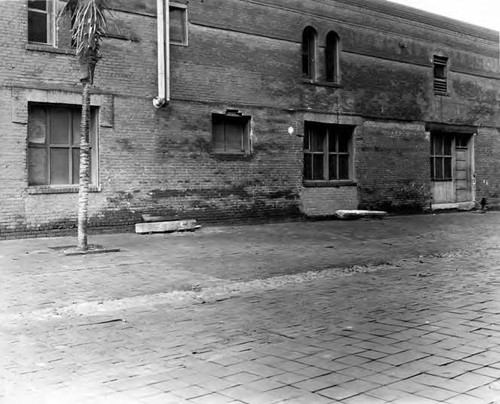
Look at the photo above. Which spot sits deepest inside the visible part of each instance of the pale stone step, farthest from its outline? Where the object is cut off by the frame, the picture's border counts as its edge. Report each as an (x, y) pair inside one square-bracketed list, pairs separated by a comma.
[(166, 227), (358, 214)]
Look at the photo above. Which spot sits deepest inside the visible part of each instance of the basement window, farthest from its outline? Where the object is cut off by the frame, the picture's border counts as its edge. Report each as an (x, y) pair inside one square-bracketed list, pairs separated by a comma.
[(178, 24), (440, 75), (54, 144), (231, 133)]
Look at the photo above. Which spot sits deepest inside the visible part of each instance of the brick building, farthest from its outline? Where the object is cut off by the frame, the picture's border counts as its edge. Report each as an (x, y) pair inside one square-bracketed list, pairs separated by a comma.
[(278, 108)]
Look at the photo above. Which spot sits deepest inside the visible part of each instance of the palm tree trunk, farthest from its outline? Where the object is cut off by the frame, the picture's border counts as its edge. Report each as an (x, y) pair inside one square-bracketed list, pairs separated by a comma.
[(83, 194)]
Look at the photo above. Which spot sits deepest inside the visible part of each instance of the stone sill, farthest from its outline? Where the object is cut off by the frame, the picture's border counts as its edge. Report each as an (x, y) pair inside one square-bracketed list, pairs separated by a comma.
[(39, 47), (454, 206), (329, 184), (322, 83), (59, 189)]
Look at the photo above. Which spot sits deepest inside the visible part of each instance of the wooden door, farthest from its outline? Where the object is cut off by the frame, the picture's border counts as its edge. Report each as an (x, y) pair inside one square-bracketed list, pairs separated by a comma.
[(442, 186), (463, 169), (451, 168)]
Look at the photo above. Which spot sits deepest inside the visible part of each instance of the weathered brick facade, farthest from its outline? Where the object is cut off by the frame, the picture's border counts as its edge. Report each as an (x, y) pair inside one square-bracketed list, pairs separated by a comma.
[(246, 56)]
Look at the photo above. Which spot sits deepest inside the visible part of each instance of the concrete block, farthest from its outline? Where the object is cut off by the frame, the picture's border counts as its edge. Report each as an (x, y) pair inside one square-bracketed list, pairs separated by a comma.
[(166, 227)]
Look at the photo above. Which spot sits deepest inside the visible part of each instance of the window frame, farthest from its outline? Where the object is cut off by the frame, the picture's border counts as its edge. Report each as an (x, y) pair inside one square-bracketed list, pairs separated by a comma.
[(50, 13), (184, 9), (71, 145), (442, 157), (328, 132), (244, 120)]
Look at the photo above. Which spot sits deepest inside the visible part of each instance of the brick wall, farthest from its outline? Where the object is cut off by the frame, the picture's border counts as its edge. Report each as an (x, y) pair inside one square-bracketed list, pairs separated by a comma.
[(321, 201), (393, 166), (487, 152), (246, 56)]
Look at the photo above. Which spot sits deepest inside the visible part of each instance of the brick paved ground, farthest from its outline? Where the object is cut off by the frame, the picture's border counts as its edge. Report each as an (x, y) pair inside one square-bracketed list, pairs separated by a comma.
[(422, 328)]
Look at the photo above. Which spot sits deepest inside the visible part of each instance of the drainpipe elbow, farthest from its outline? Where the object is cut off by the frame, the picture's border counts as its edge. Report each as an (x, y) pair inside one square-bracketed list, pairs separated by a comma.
[(159, 102)]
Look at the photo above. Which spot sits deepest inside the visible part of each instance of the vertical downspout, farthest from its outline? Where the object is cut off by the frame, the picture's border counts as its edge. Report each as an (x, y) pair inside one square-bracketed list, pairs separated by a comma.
[(163, 18)]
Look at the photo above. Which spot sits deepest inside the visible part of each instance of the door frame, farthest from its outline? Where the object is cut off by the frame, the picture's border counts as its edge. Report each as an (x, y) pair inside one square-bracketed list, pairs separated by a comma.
[(455, 131)]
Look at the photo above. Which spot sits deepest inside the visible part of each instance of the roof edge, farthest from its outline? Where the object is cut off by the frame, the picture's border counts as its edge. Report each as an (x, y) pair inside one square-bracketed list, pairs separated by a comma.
[(426, 17)]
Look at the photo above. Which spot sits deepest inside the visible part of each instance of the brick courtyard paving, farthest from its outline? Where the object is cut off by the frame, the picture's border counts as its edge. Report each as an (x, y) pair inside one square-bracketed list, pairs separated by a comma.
[(420, 325)]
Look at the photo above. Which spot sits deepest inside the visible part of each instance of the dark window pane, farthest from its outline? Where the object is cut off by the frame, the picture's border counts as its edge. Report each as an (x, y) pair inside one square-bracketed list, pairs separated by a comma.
[(59, 166), (307, 166), (447, 168), (219, 136), (318, 167), (433, 174), (37, 166), (308, 52), (76, 167), (332, 167), (461, 141), (36, 125), (447, 146), (438, 145), (37, 27), (177, 25), (439, 168), (38, 4), (305, 64), (332, 142), (307, 137), (343, 167), (76, 122), (59, 126), (234, 136), (343, 144), (331, 56), (94, 123), (317, 140)]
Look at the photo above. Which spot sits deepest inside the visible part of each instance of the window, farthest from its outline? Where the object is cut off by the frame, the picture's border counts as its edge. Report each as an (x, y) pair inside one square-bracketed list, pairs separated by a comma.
[(41, 22), (178, 25), (231, 133), (309, 53), (327, 152), (54, 145), (440, 75), (332, 57), (441, 157)]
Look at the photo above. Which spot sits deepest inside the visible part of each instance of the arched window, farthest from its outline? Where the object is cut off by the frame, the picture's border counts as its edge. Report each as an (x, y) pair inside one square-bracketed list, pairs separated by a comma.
[(332, 57), (309, 53)]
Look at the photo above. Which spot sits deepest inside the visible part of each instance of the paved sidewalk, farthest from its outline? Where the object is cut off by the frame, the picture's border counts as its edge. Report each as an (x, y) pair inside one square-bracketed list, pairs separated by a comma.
[(35, 277)]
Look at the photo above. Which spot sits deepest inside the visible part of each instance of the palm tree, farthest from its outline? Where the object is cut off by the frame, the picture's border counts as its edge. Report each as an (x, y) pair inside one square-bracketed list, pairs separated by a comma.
[(89, 25)]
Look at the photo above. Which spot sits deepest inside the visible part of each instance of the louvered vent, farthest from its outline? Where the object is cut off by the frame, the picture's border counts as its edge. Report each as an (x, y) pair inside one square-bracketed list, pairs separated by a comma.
[(440, 75)]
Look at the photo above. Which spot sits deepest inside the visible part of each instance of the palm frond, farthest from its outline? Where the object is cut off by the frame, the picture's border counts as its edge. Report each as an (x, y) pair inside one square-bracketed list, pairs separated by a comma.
[(89, 25)]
